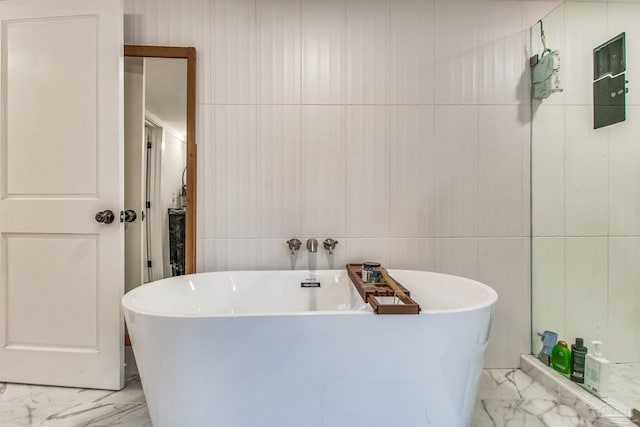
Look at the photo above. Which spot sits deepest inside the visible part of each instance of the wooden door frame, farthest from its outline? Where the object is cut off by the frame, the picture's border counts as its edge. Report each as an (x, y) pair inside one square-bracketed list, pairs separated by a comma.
[(188, 53)]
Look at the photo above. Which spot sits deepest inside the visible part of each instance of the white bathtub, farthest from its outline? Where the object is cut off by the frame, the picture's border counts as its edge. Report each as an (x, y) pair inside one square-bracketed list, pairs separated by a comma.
[(255, 349)]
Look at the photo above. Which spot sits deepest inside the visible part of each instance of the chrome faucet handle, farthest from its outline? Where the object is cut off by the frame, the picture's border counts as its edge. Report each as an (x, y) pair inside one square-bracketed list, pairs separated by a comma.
[(312, 245), (330, 244), (294, 245)]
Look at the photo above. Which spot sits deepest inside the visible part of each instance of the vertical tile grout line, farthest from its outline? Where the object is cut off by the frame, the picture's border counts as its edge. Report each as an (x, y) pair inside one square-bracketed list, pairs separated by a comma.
[(564, 184), (257, 228), (343, 100), (477, 106), (300, 124), (608, 255), (432, 225), (387, 120)]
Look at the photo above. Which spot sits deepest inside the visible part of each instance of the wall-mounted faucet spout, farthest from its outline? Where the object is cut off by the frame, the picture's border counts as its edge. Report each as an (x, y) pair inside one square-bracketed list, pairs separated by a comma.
[(312, 245), (294, 245), (330, 244)]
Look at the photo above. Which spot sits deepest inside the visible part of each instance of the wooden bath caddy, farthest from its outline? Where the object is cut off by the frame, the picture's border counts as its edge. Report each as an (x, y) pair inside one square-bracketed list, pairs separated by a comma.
[(387, 288)]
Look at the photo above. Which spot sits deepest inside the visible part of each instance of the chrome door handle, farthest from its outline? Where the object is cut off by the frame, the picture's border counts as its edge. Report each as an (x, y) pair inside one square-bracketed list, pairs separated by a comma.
[(128, 216), (105, 217)]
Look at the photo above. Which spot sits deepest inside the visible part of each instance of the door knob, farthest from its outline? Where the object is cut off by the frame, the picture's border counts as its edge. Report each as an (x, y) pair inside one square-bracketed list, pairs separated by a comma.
[(105, 217), (128, 216)]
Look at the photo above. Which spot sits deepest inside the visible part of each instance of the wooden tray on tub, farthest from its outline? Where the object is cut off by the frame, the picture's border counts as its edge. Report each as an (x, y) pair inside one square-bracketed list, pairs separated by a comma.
[(388, 288)]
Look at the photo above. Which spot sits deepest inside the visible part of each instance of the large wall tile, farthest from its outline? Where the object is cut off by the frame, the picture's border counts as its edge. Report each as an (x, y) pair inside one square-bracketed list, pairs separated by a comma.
[(368, 172), (279, 54), (206, 167), (533, 11), (587, 173), (504, 265), (547, 287), (323, 52), (411, 254), (234, 163), (368, 250), (586, 279), (501, 53), (323, 171), (624, 175), (500, 171), (410, 65), (456, 171), (367, 52), (456, 52), (547, 171), (234, 51), (458, 256), (623, 300), (578, 52), (205, 255), (623, 17), (411, 168), (279, 172)]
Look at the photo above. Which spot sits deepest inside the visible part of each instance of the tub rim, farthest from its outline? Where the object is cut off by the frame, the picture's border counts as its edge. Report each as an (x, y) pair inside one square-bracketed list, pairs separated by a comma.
[(126, 304)]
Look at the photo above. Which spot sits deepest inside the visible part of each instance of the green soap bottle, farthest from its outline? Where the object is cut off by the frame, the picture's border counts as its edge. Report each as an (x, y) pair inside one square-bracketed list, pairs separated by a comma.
[(561, 358)]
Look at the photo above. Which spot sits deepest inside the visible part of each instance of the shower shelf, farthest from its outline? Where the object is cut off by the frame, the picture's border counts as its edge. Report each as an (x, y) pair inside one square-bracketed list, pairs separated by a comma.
[(375, 293)]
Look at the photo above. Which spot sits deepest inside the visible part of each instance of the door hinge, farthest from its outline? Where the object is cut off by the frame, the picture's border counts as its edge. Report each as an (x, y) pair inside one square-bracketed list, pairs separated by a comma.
[(148, 205), (149, 264), (148, 145)]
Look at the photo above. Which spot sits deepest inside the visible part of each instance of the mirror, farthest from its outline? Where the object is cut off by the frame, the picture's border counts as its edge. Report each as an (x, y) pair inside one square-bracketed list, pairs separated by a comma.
[(160, 163)]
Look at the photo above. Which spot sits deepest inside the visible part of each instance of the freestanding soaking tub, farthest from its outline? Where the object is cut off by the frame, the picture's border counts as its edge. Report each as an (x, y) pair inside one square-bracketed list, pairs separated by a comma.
[(256, 349)]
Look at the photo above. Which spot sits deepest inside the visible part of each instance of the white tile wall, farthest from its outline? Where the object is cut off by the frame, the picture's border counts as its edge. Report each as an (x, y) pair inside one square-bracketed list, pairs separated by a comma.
[(579, 44), (234, 51), (367, 51), (367, 161), (279, 187), (501, 47), (548, 171), (359, 120), (504, 263), (586, 311), (456, 171), (624, 175), (411, 166), (623, 299), (323, 51), (586, 174), (623, 17), (456, 52), (501, 201), (410, 66), (458, 256), (279, 54), (235, 167), (323, 164)]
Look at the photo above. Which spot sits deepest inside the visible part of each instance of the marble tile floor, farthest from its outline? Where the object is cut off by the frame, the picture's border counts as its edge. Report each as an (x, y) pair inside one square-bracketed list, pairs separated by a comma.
[(624, 383), (506, 397)]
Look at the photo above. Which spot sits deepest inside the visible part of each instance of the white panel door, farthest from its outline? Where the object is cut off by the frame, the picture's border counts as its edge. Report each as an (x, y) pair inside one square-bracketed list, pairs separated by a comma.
[(61, 161)]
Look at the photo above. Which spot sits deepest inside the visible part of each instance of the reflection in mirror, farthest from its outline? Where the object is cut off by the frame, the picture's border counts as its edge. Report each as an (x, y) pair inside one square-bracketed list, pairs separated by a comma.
[(155, 168)]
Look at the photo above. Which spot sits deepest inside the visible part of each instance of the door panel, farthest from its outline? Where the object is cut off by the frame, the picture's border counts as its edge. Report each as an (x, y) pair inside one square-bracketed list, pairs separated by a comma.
[(47, 112), (61, 161), (69, 262)]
